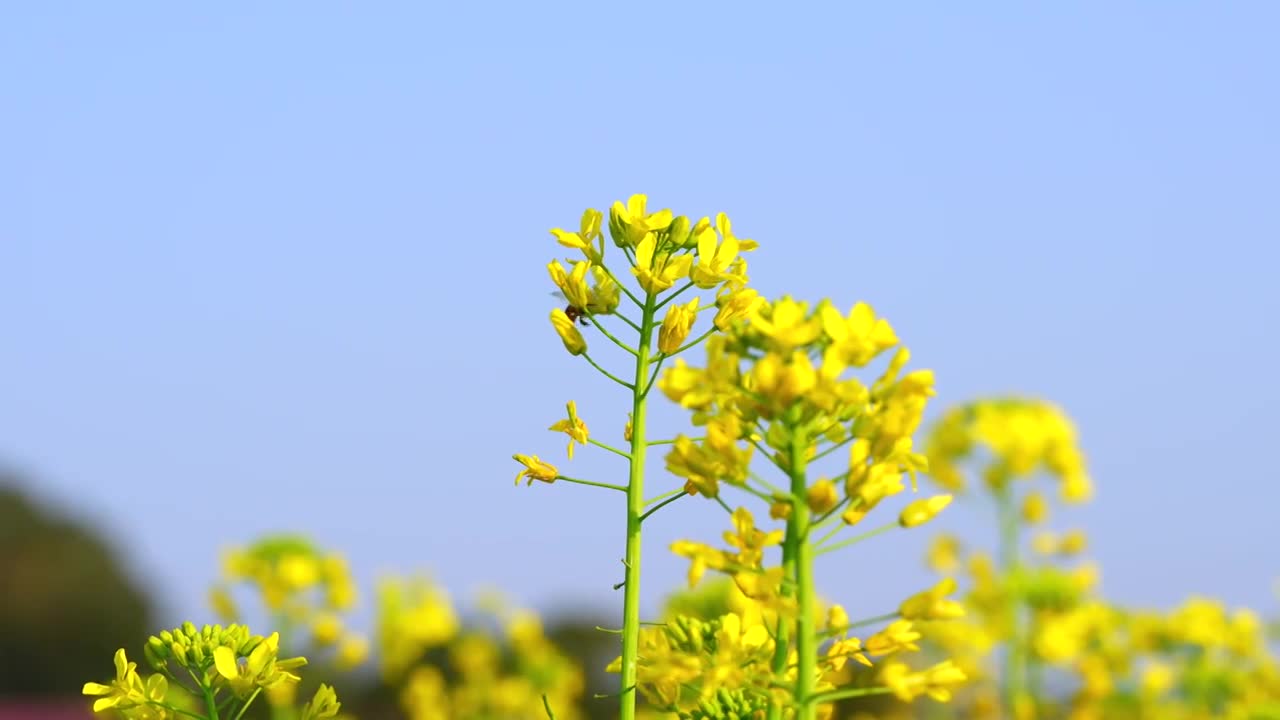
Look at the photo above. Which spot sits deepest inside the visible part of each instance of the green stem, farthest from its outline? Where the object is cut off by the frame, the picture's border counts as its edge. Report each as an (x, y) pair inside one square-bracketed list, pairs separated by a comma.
[(635, 510), (855, 540), (806, 627), (1015, 654), (247, 703), (661, 505), (663, 496), (694, 341), (609, 335), (835, 695), (592, 483), (608, 374), (608, 447), (672, 296), (209, 702)]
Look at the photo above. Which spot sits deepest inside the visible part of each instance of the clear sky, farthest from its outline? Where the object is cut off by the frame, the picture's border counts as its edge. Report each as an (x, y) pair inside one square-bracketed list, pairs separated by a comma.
[(282, 265)]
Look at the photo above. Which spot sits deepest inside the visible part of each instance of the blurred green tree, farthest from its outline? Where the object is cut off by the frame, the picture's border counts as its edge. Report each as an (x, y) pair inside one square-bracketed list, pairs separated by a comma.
[(65, 603)]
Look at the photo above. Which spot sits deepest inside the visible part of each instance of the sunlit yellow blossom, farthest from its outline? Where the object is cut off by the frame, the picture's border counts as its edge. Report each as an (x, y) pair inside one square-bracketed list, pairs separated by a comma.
[(535, 469), (574, 284), (844, 648), (676, 326), (260, 669), (568, 332), (630, 224), (573, 427), (128, 690), (714, 258), (735, 306), (658, 271), (855, 340), (584, 239), (787, 324)]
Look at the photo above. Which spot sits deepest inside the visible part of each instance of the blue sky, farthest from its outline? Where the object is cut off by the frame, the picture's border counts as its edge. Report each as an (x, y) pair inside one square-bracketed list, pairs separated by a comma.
[(282, 266)]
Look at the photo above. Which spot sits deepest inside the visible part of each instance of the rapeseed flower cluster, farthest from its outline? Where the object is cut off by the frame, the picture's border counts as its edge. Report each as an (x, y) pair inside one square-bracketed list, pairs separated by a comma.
[(781, 383), (210, 672), (1033, 608), (304, 591)]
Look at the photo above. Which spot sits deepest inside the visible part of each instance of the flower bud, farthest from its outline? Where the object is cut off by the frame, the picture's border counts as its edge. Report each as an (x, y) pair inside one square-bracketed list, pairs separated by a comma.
[(822, 496), (923, 510), (568, 331)]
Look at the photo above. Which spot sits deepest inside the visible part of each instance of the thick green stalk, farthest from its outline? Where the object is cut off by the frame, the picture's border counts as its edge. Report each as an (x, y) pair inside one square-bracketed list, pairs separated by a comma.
[(806, 629), (635, 509), (1015, 654), (782, 636)]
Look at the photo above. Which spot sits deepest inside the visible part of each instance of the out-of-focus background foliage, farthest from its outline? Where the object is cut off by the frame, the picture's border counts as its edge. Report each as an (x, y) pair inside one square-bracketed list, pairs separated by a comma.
[(281, 268)]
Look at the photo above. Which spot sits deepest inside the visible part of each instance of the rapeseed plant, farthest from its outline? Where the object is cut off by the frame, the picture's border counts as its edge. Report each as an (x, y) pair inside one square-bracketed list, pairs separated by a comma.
[(666, 255), (776, 384)]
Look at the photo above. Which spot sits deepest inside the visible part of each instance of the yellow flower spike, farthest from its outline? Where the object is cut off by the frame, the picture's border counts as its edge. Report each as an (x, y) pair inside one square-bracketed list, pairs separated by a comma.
[(630, 224), (822, 496), (535, 469), (676, 326), (921, 511), (568, 331), (573, 427), (714, 259)]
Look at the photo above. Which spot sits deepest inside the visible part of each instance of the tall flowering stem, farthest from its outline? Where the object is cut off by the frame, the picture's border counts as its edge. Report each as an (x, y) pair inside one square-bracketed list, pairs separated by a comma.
[(667, 256), (776, 386), (1020, 601)]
